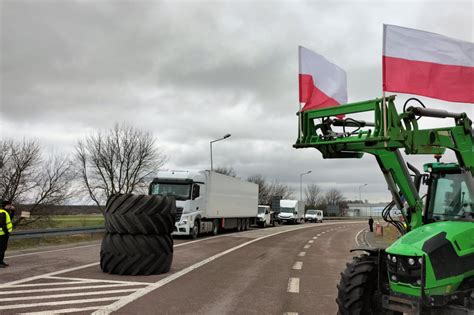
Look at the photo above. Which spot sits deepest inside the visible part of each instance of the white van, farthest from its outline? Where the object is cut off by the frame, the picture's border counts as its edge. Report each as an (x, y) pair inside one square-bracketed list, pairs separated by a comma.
[(314, 216)]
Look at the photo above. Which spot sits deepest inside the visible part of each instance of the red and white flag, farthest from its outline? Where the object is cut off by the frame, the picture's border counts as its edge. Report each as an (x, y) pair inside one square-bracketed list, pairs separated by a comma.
[(322, 83), (427, 64)]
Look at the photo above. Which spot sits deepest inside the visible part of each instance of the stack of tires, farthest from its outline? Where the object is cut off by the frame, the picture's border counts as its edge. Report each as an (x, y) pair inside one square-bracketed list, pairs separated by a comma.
[(138, 235)]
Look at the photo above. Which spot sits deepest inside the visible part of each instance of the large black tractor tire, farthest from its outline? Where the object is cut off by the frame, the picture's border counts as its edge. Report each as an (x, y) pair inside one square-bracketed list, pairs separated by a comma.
[(140, 214), (357, 290), (124, 254)]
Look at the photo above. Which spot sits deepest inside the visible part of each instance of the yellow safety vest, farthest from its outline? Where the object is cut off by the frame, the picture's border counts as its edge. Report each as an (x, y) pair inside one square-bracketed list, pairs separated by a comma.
[(9, 222)]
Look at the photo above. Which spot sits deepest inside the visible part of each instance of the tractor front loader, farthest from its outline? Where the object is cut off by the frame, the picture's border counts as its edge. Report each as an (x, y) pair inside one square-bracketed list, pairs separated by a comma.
[(430, 268)]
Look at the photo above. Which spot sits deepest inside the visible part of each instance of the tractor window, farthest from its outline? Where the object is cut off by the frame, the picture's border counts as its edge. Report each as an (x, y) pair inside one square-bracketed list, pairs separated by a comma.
[(452, 199)]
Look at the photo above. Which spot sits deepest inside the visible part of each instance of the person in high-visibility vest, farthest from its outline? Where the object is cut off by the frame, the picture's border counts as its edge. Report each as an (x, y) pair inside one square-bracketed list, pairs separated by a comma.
[(6, 227)]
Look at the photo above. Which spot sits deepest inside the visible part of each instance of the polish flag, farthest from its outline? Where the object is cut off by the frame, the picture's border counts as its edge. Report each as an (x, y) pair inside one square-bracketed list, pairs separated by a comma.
[(427, 64), (322, 84)]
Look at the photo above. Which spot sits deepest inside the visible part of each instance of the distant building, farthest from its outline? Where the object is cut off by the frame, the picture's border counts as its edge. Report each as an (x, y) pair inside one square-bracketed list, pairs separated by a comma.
[(365, 209)]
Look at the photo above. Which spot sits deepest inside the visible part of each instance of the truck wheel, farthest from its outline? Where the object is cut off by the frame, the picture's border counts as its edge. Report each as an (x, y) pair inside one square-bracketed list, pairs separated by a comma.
[(195, 230), (125, 254), (245, 225), (215, 227), (140, 214), (357, 290), (239, 225)]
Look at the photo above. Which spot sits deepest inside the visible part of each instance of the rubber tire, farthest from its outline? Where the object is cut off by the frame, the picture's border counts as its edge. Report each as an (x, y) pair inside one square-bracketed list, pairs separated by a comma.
[(215, 227), (140, 214), (195, 230), (126, 254), (357, 289), (239, 225)]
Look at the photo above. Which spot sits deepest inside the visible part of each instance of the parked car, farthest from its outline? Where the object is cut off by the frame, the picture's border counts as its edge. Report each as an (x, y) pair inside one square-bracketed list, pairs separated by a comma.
[(313, 215)]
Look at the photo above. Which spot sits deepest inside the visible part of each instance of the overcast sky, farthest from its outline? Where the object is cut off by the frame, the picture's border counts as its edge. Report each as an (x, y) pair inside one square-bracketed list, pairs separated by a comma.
[(192, 71)]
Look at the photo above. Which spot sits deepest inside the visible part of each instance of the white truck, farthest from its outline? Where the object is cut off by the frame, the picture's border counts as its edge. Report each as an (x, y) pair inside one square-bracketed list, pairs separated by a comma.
[(265, 216), (291, 211), (207, 201)]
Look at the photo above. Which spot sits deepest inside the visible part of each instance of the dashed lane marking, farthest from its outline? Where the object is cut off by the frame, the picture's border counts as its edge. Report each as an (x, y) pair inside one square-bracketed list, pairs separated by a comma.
[(307, 246), (302, 254), (310, 241), (294, 285), (298, 265), (290, 313)]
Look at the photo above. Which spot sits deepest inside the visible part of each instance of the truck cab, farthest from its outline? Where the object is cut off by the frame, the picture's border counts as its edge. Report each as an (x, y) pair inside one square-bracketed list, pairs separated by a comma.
[(265, 216), (291, 211), (189, 190)]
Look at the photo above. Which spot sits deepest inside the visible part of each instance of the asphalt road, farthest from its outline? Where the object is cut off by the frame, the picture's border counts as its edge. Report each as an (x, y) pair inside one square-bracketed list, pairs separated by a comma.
[(291, 269)]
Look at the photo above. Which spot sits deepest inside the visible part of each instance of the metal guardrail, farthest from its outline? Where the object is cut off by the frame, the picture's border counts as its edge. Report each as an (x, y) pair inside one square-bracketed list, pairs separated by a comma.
[(56, 232)]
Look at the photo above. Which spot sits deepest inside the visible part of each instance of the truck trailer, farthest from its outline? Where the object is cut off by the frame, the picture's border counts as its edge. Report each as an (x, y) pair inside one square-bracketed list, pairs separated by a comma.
[(208, 202)]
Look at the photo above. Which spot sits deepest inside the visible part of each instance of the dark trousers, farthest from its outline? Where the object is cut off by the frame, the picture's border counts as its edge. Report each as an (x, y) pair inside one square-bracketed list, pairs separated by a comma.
[(3, 246), (371, 226)]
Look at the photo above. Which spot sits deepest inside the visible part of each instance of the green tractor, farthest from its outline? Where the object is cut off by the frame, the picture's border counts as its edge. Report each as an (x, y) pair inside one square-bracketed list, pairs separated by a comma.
[(430, 268)]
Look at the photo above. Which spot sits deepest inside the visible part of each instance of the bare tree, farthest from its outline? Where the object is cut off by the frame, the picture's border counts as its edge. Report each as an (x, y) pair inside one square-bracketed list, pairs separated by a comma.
[(229, 171), (281, 190), (26, 178), (333, 197), (119, 160), (313, 195)]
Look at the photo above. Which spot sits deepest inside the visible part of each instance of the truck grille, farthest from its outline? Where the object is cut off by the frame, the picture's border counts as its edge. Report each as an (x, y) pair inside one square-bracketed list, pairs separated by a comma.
[(179, 213)]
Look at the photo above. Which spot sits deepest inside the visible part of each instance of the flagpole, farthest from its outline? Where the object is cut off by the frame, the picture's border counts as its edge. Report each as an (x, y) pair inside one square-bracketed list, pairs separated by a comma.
[(384, 108), (300, 123)]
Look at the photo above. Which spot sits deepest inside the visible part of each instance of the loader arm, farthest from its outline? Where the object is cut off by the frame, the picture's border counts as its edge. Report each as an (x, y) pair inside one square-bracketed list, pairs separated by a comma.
[(384, 141)]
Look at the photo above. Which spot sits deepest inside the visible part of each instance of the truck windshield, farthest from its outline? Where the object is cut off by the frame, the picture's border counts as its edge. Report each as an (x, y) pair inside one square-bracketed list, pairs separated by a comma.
[(452, 198), (179, 191), (311, 212), (261, 209), (287, 210)]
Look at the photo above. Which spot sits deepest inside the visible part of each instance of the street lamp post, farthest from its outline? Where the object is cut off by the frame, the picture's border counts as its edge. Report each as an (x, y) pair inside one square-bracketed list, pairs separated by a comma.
[(301, 184), (360, 198), (210, 144)]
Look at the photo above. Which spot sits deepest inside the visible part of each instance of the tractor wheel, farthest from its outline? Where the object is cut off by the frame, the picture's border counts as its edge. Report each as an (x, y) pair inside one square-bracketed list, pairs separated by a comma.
[(125, 254), (357, 290), (140, 214)]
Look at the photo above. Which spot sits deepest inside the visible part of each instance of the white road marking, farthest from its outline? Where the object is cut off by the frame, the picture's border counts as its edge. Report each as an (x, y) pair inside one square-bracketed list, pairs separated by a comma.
[(46, 284), (307, 246), (294, 285), (54, 296), (63, 311), (10, 307), (298, 265), (138, 294), (310, 241), (319, 234), (9, 284), (97, 280), (302, 254), (290, 313), (10, 291), (357, 236)]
